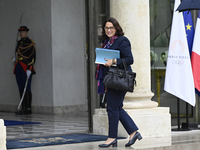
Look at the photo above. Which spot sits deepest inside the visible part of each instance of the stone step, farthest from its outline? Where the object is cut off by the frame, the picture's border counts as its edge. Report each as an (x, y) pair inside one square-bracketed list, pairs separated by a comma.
[(187, 146), (179, 140)]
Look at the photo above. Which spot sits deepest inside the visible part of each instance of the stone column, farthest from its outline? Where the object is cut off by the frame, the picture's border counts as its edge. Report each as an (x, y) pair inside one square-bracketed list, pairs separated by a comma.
[(153, 121), (2, 135), (133, 17)]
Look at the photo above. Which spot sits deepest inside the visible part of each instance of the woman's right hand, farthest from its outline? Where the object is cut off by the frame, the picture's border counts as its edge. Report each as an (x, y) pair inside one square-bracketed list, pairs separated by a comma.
[(109, 62)]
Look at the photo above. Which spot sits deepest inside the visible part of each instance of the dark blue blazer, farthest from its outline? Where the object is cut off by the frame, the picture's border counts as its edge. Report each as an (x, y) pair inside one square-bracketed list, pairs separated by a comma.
[(124, 46)]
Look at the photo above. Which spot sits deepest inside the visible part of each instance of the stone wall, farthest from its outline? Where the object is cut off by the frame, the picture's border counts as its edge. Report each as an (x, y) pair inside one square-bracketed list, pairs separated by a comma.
[(58, 29)]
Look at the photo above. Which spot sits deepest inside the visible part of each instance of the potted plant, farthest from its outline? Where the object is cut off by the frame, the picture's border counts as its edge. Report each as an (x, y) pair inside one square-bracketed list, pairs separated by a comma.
[(154, 57), (163, 57)]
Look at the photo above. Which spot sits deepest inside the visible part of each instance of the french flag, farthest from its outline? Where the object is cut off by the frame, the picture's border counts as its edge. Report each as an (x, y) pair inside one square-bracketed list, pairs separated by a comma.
[(195, 58)]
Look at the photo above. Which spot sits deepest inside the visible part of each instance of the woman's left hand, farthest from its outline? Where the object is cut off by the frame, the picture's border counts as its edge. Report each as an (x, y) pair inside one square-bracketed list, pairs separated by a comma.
[(108, 63)]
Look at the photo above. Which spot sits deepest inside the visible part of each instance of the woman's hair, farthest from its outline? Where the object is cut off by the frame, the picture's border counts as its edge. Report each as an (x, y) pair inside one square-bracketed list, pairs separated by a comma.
[(115, 23)]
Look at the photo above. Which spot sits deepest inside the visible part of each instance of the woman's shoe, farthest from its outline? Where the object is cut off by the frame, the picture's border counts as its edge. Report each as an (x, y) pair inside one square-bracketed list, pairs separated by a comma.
[(135, 137), (114, 144)]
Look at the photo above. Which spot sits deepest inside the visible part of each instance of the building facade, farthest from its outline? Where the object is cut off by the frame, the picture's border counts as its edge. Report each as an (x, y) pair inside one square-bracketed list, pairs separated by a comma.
[(66, 32)]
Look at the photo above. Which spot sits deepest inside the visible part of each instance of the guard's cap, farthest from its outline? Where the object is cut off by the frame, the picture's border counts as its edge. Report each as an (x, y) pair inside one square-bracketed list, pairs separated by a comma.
[(23, 28)]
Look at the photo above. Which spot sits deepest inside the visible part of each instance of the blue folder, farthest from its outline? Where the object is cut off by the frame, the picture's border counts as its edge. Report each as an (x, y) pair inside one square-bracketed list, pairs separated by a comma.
[(105, 53)]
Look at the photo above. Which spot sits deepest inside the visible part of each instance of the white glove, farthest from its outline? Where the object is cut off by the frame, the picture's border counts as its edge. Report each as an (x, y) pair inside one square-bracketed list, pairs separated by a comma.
[(13, 59), (28, 73)]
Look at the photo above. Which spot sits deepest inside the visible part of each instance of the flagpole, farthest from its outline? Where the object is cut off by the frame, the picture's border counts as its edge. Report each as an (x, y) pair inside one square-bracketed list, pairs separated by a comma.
[(187, 114), (186, 126), (189, 125), (178, 112)]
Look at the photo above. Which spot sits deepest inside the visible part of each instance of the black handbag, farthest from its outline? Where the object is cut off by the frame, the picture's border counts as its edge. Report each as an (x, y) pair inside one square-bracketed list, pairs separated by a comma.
[(120, 79)]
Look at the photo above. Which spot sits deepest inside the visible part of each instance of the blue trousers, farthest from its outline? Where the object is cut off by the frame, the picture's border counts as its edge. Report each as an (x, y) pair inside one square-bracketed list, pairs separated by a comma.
[(21, 76), (116, 113)]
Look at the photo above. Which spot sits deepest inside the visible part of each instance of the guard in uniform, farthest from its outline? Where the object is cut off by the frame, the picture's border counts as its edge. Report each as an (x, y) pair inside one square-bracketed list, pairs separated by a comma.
[(24, 68)]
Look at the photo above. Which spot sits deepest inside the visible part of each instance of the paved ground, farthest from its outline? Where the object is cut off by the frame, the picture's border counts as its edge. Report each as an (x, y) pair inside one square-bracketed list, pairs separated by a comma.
[(51, 125), (67, 124)]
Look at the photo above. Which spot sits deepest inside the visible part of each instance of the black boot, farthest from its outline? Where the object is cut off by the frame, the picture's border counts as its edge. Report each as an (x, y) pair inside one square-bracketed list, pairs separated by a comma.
[(28, 102), (23, 105)]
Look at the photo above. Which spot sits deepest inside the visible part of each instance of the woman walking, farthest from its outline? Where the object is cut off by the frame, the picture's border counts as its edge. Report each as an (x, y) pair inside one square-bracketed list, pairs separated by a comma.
[(114, 39)]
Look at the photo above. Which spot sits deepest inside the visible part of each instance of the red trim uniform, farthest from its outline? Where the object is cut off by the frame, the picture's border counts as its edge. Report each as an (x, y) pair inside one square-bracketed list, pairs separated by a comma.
[(26, 54)]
